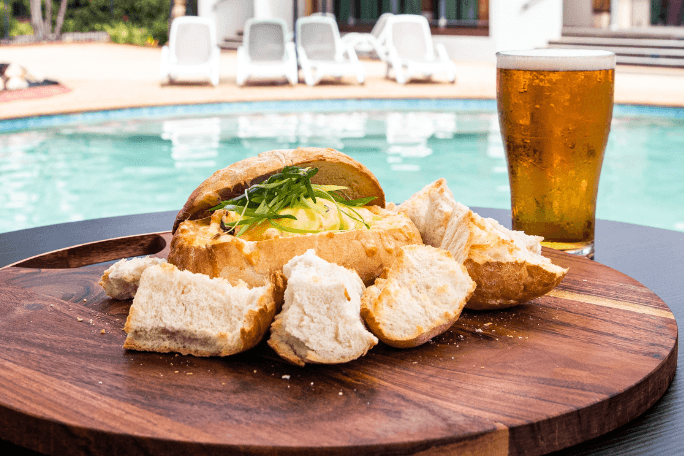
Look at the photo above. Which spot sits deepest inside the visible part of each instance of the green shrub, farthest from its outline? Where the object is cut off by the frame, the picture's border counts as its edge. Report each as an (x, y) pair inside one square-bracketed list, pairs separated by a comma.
[(150, 15), (127, 21), (21, 28), (127, 33), (7, 22)]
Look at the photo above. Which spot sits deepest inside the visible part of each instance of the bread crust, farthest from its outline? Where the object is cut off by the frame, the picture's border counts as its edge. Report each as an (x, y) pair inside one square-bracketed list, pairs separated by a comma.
[(201, 246), (503, 284), (143, 336), (334, 168), (380, 301)]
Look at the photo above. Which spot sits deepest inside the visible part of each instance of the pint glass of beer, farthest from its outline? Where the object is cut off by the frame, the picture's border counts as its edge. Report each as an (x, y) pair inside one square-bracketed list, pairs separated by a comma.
[(555, 108)]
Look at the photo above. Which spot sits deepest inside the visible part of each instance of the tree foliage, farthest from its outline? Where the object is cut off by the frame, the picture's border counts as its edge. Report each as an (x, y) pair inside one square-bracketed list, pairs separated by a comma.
[(150, 15), (129, 21)]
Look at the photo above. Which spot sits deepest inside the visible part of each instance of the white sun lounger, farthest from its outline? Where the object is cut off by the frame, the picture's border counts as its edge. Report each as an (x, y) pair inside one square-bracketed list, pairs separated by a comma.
[(266, 52), (411, 52), (321, 52), (192, 50), (370, 43)]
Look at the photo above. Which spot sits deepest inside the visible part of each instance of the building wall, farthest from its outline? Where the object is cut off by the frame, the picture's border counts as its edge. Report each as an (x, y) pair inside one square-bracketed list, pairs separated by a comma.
[(228, 15), (578, 13), (513, 24)]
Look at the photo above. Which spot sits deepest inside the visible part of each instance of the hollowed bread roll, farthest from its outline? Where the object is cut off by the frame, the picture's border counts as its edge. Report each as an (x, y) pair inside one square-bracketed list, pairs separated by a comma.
[(202, 246), (334, 168)]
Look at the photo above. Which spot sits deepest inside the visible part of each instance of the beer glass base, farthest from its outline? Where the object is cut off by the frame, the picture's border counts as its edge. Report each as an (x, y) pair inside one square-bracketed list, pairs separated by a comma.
[(574, 248)]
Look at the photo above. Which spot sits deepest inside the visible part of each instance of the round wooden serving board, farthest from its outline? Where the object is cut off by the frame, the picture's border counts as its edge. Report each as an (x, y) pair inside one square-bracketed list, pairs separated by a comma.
[(588, 357)]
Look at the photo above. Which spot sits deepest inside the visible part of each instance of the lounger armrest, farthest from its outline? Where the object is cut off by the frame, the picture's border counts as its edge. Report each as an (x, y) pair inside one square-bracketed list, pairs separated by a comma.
[(242, 56), (165, 64), (441, 52), (290, 53), (301, 55), (351, 53)]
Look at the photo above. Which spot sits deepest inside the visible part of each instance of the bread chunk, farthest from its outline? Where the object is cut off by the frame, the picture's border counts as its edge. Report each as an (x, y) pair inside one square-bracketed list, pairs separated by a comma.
[(179, 311), (120, 280), (507, 265), (441, 220), (422, 295), (320, 321)]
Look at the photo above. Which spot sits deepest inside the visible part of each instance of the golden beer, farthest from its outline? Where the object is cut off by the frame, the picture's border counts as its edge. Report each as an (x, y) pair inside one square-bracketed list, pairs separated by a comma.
[(555, 109)]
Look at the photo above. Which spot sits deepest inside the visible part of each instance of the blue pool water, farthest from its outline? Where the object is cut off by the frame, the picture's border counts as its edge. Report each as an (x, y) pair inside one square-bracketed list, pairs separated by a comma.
[(66, 168)]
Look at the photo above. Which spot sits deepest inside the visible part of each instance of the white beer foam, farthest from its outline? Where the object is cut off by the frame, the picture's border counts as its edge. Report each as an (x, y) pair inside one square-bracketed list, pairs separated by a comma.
[(556, 60)]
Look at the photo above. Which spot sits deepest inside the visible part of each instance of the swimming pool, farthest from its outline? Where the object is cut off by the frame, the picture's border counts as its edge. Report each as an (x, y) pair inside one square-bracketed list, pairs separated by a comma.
[(56, 169)]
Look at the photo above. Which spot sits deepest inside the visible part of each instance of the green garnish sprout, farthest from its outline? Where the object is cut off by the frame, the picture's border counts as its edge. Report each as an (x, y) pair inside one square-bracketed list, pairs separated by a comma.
[(289, 188)]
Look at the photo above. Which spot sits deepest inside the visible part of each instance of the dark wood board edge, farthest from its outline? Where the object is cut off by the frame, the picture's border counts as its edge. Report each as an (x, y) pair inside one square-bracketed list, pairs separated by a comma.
[(586, 422)]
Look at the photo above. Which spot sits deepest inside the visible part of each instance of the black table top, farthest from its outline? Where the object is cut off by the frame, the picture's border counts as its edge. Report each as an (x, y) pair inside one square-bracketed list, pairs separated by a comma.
[(653, 256)]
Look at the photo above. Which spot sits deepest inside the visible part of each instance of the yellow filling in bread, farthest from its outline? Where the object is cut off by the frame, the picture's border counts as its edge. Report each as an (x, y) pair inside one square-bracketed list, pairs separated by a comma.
[(323, 215)]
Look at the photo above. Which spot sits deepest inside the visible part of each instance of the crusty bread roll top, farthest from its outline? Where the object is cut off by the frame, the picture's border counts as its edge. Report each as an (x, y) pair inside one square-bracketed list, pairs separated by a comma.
[(334, 168), (200, 245)]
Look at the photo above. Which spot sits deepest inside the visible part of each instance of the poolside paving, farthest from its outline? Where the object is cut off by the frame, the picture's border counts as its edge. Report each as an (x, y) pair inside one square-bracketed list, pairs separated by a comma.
[(112, 76)]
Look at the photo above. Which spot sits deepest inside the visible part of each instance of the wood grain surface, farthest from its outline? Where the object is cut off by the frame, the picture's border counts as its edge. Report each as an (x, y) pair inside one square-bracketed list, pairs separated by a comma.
[(590, 356)]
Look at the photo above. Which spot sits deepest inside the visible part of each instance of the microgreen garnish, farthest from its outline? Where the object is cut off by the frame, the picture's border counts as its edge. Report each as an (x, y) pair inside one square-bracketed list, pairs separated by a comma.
[(291, 187)]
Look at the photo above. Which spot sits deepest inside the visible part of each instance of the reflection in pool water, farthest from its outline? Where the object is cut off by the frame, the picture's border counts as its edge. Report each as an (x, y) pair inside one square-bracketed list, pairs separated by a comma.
[(82, 170)]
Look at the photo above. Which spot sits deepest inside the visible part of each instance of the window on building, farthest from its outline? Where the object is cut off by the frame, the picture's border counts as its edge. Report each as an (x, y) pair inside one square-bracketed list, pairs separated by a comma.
[(467, 17)]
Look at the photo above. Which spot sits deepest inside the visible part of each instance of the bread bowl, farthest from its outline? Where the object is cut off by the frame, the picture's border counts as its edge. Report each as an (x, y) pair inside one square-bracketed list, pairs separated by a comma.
[(202, 243)]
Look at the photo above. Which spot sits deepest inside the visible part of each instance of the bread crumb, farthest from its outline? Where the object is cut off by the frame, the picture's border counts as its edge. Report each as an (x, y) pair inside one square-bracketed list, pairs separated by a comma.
[(188, 373), (91, 321), (175, 372), (103, 331), (487, 324), (84, 299), (286, 377), (79, 319), (478, 330), (340, 393)]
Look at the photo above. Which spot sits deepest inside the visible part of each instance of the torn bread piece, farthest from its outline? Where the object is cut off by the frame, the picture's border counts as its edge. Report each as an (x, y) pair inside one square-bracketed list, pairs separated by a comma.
[(120, 280), (188, 313), (420, 297), (507, 265), (320, 321), (441, 220)]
